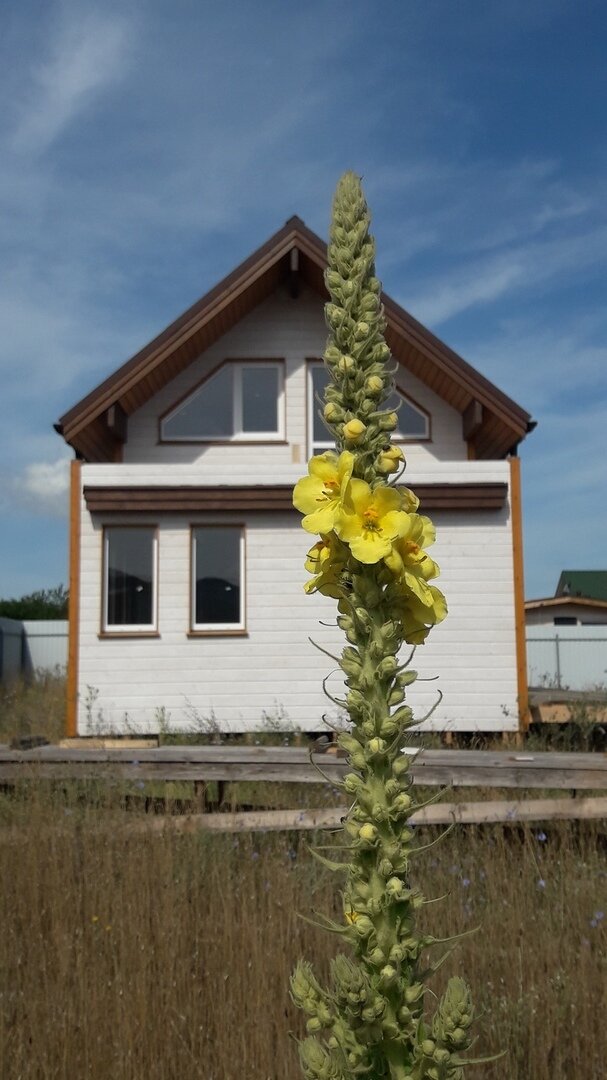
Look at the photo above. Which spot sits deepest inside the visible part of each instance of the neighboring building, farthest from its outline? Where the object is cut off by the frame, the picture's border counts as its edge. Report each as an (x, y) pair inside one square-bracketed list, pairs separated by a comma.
[(566, 611), (591, 584), (186, 582), (566, 642)]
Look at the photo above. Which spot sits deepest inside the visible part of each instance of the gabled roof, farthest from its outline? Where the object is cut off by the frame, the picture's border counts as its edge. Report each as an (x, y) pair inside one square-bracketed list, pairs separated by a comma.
[(588, 583), (95, 425)]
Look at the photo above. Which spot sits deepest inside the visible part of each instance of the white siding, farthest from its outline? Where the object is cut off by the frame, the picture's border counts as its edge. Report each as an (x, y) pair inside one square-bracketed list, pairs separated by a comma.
[(585, 615), (280, 328), (127, 682)]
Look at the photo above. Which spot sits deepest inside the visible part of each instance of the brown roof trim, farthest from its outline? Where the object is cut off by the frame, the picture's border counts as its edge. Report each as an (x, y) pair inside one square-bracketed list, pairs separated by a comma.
[(182, 333), (557, 601), (193, 499)]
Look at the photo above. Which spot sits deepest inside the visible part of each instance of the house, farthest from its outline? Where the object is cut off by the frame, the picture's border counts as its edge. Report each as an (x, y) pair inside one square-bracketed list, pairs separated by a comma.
[(186, 566), (567, 635), (580, 599)]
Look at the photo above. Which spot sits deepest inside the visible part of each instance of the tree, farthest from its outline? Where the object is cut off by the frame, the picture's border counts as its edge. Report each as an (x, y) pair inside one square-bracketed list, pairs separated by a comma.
[(42, 604)]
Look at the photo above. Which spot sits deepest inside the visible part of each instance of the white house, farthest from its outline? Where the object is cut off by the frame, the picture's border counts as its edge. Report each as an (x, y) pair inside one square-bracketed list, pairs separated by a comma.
[(186, 569)]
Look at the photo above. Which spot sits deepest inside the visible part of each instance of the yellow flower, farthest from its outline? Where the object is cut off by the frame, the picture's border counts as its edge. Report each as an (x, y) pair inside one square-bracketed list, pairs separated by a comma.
[(352, 916), (326, 560), (371, 521), (418, 616), (410, 562), (319, 495)]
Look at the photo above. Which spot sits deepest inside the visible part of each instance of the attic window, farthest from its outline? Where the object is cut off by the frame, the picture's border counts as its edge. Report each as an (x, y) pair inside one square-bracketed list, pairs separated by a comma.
[(241, 401), (413, 422)]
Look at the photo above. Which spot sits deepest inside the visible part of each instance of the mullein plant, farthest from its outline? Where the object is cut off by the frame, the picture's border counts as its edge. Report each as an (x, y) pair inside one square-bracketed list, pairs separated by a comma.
[(371, 557)]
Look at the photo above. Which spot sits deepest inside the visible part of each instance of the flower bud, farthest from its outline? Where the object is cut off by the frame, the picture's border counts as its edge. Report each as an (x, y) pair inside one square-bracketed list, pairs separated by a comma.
[(441, 1056), (332, 412), (362, 329), (313, 1025), (377, 747), (395, 887), (402, 803), (352, 783), (368, 833), (363, 926), (389, 460), (388, 728), (388, 974), (413, 993), (374, 384), (354, 430), (396, 696), (346, 364), (428, 1047), (388, 422)]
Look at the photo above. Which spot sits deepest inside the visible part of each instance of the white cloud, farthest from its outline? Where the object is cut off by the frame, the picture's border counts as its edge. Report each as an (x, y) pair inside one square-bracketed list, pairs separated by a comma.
[(86, 54), (39, 488), (45, 480)]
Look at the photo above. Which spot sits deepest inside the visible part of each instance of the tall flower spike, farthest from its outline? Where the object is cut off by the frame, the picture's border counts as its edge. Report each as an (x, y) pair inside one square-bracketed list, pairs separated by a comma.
[(371, 556)]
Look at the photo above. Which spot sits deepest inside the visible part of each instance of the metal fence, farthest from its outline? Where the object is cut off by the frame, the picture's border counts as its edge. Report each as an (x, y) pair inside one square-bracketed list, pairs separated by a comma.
[(32, 645), (572, 659)]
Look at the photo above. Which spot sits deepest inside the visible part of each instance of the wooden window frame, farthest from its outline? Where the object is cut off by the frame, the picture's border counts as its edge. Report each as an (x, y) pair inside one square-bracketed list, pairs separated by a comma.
[(240, 438), (219, 629), (311, 443), (125, 630)]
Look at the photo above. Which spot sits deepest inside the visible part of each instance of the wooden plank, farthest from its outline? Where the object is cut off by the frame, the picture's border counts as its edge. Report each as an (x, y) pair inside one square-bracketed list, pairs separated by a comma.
[(460, 768), (474, 813)]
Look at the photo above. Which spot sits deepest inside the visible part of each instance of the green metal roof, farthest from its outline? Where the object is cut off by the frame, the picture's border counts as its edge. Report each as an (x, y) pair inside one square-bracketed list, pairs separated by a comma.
[(589, 583)]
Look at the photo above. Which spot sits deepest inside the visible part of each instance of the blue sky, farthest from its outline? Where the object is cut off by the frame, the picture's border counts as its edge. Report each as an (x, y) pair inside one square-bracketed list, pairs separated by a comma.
[(147, 148)]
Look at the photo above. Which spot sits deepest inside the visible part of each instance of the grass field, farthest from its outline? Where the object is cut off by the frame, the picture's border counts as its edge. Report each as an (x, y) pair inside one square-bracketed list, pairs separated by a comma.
[(156, 957)]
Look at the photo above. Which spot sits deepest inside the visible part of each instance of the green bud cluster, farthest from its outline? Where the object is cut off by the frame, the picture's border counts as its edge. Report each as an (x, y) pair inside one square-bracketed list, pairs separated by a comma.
[(356, 354), (369, 1021)]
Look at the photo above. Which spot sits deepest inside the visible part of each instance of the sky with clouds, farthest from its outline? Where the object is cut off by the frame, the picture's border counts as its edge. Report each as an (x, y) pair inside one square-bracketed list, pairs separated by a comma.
[(147, 148)]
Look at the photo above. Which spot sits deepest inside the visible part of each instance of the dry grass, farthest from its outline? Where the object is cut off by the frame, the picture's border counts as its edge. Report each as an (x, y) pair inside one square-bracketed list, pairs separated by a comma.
[(165, 958), (33, 707)]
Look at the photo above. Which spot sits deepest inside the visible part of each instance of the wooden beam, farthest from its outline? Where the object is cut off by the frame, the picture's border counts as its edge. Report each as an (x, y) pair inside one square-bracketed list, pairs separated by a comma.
[(519, 594), (472, 419), (192, 499), (117, 422), (71, 723)]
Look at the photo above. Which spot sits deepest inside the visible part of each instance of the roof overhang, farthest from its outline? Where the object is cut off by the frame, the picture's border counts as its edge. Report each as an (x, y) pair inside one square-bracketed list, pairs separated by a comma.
[(96, 425), (564, 601)]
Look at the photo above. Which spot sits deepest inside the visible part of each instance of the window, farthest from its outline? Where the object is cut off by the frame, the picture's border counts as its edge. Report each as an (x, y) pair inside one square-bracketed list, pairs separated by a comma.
[(413, 423), (129, 586), (565, 620), (218, 578), (240, 401)]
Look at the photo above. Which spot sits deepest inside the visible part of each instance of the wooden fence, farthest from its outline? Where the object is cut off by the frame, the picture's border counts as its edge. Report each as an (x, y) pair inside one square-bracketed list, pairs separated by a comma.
[(450, 768)]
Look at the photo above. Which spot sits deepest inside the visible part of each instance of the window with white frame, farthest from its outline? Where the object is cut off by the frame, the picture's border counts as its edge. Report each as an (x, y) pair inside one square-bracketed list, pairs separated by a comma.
[(218, 569), (413, 422), (240, 401), (130, 555)]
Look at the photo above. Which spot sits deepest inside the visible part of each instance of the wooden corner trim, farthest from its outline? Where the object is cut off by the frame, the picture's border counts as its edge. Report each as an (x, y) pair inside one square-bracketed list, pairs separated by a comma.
[(71, 725), (519, 593)]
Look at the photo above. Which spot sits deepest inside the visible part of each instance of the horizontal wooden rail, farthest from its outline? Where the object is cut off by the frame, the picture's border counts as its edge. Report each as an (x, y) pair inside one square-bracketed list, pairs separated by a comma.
[(457, 768), (474, 813)]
